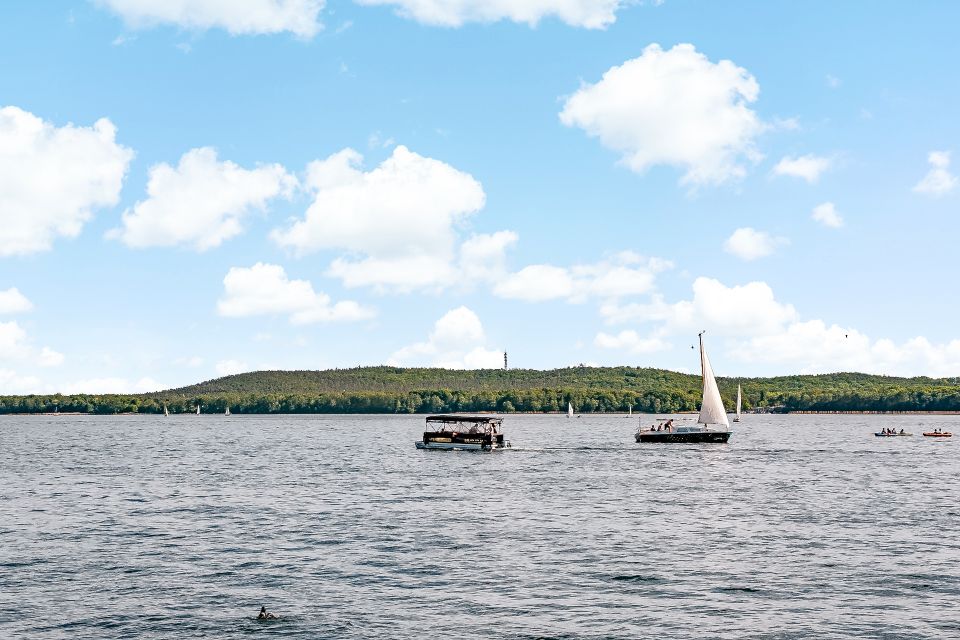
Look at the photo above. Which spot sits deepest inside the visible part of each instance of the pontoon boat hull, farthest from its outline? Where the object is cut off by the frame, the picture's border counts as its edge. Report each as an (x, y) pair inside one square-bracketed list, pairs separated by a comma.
[(671, 437), (454, 446)]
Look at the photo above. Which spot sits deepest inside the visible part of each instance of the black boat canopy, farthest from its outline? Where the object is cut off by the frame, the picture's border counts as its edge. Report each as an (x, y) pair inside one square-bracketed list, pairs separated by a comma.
[(465, 419)]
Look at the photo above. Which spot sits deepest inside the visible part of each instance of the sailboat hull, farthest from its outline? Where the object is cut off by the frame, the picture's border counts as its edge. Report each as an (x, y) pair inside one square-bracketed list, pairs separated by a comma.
[(672, 437)]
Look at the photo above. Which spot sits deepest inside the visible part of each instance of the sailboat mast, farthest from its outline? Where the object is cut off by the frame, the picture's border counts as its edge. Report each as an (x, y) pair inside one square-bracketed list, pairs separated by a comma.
[(703, 378)]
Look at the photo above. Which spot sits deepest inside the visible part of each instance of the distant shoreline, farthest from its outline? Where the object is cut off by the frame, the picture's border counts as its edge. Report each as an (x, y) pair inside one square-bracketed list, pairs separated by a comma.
[(500, 413)]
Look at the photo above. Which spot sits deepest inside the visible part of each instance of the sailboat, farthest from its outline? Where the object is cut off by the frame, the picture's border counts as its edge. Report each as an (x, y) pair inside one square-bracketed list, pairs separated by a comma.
[(227, 412), (630, 411), (198, 408), (712, 414), (737, 417), (569, 409), (165, 412)]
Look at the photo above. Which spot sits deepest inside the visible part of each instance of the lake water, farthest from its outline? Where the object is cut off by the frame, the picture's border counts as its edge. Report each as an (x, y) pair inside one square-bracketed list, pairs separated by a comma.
[(802, 526)]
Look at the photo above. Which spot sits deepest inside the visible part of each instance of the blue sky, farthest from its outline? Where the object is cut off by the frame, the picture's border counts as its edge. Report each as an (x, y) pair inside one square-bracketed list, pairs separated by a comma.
[(300, 184)]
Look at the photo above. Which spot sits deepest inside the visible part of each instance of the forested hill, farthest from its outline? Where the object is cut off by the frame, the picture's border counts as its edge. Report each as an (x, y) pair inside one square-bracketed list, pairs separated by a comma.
[(590, 389)]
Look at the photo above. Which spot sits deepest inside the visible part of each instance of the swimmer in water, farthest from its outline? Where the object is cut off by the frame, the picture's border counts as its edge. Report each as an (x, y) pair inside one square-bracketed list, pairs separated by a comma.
[(264, 615)]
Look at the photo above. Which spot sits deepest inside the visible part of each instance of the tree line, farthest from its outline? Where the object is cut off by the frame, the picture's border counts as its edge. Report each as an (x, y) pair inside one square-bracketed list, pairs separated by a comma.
[(589, 389)]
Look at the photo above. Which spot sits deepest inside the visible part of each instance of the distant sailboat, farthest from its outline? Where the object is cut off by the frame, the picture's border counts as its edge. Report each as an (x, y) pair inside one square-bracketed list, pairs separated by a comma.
[(165, 412), (569, 409), (737, 418), (630, 411), (712, 413), (227, 412), (198, 408)]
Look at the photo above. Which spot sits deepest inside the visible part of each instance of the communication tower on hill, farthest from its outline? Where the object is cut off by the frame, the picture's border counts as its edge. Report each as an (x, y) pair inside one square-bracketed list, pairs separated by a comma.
[(504, 360)]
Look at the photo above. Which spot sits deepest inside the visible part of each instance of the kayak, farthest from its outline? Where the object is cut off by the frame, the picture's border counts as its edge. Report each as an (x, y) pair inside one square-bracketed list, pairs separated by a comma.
[(934, 434), (880, 434)]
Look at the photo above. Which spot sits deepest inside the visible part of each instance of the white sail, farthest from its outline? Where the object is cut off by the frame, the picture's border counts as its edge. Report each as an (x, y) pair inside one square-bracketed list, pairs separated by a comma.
[(198, 409), (569, 409), (227, 412), (738, 403), (165, 412), (630, 410), (711, 409)]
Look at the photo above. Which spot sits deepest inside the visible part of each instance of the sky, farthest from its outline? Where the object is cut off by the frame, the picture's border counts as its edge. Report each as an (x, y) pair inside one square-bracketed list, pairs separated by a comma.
[(196, 188)]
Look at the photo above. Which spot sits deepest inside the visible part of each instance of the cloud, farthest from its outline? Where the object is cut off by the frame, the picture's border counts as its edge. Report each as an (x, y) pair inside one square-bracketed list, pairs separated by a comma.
[(237, 17), (630, 341), (12, 301), (110, 385), (192, 361), (396, 223), (12, 382), (808, 167), (52, 178), (749, 244), (456, 342), (264, 289), (624, 274), (749, 309), (483, 256), (833, 81), (673, 108), (231, 367), (938, 181), (49, 358), (816, 347), (15, 346), (201, 202), (752, 327), (826, 214), (592, 14)]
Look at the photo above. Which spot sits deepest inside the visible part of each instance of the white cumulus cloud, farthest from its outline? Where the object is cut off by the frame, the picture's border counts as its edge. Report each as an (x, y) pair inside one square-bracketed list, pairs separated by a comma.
[(749, 309), (630, 341), (592, 14), (231, 367), (624, 274), (752, 327), (201, 202), (938, 181), (827, 215), (264, 289), (110, 384), (15, 346), (456, 342), (749, 244), (300, 17), (675, 108), (395, 224), (808, 167), (12, 301), (52, 178)]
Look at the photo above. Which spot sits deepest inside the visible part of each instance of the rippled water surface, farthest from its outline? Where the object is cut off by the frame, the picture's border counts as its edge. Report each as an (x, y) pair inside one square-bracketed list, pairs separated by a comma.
[(802, 526)]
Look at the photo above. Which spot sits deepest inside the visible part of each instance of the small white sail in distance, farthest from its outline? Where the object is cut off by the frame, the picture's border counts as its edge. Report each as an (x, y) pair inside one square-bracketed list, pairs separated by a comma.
[(711, 409), (569, 409), (738, 403)]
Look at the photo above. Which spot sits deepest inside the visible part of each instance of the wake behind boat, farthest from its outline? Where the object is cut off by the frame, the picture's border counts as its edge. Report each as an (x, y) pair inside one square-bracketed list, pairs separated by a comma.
[(462, 433), (712, 412)]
